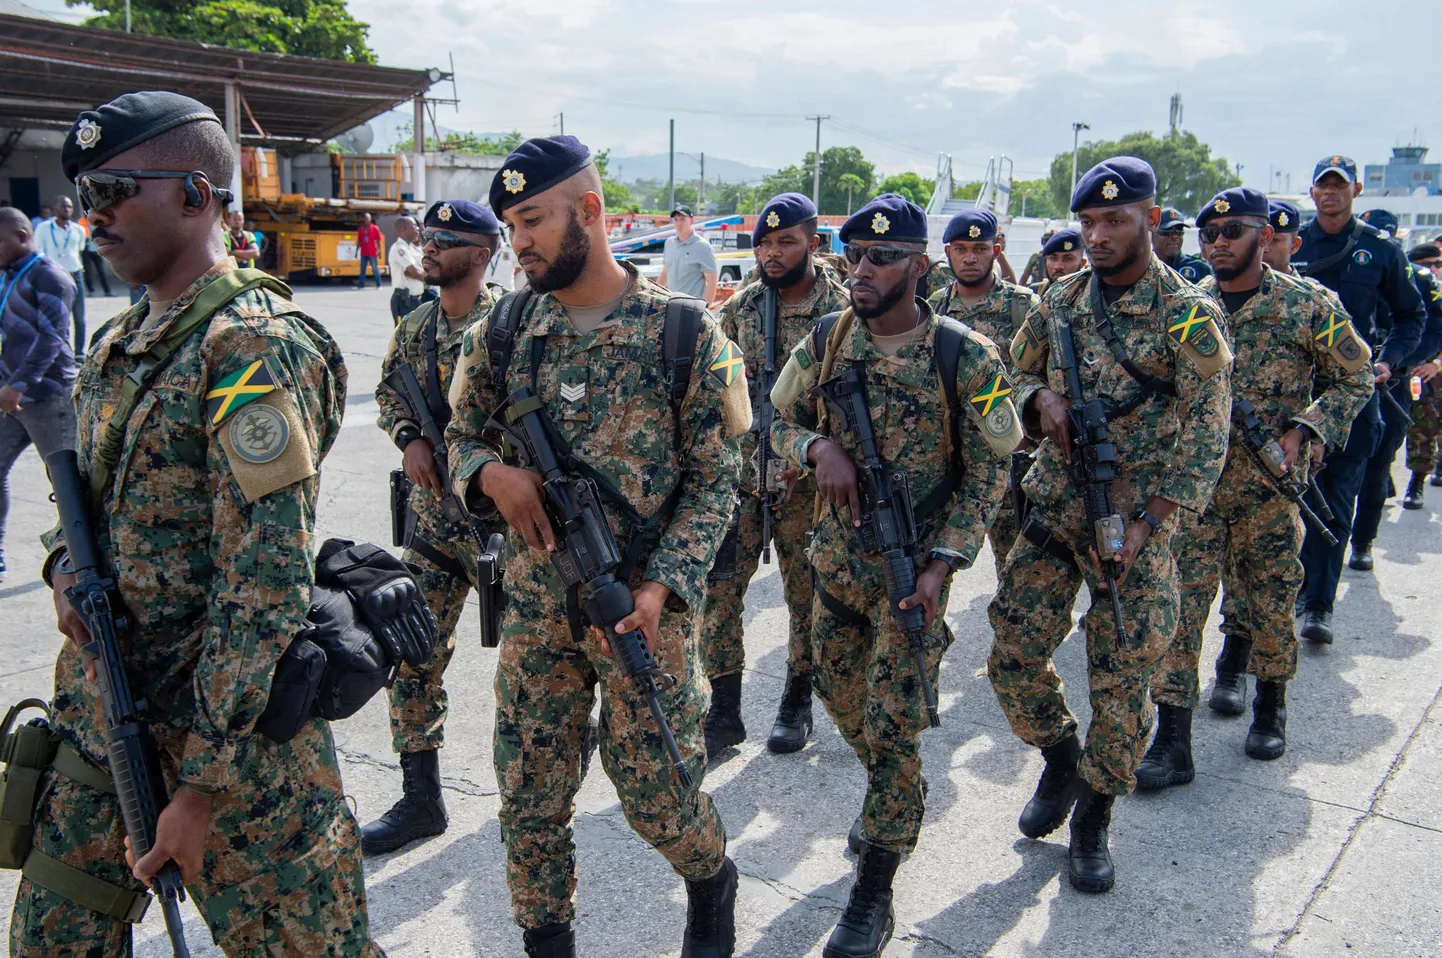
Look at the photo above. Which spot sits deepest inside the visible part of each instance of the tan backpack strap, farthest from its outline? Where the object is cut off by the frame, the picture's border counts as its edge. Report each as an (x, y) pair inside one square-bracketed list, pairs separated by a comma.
[(210, 300), (839, 331)]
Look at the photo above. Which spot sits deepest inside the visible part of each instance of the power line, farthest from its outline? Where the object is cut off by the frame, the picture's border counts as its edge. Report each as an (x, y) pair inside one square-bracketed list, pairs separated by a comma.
[(611, 101)]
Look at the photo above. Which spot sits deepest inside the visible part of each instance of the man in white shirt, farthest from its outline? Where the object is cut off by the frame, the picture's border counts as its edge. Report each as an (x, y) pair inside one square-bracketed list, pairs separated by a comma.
[(404, 260), (690, 263), (61, 240)]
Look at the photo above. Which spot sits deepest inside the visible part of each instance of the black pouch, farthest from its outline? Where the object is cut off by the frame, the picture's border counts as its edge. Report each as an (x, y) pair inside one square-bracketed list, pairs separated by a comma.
[(403, 521), (724, 568), (491, 592), (27, 752)]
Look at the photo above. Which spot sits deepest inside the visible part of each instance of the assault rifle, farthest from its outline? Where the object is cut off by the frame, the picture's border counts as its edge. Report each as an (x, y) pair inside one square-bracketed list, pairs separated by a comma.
[(586, 555), (1269, 455), (134, 761), (1094, 468), (888, 525), (766, 465)]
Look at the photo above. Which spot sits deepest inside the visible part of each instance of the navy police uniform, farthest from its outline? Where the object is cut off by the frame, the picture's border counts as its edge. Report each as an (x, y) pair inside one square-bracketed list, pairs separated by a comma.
[(1192, 268)]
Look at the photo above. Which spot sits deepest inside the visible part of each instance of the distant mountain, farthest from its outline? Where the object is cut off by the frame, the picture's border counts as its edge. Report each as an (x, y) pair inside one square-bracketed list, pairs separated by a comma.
[(629, 169)]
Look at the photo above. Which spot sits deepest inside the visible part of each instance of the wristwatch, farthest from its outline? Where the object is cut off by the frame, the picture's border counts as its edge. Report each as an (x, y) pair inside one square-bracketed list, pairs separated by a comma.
[(1150, 519), (952, 561), (405, 436)]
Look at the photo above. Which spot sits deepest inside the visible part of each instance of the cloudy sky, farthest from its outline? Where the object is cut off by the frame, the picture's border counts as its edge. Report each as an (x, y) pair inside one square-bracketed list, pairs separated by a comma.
[(1268, 83)]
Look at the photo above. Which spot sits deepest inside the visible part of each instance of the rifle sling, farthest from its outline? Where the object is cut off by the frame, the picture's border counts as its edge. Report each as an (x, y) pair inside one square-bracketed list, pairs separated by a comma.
[(1151, 385), (1041, 537), (434, 397), (838, 608), (1327, 262)]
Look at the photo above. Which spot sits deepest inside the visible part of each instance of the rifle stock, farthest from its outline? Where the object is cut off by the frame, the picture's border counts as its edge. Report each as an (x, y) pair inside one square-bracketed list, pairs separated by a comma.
[(134, 761), (1269, 455)]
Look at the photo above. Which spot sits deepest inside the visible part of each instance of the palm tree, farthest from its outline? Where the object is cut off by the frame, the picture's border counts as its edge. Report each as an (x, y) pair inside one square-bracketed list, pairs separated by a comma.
[(852, 182)]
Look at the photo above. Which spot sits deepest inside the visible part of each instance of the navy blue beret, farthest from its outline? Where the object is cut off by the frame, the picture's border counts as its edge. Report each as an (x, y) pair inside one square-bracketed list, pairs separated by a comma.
[(126, 122), (462, 216), (1382, 219), (534, 167), (783, 211), (1062, 241), (973, 226), (1238, 201), (1172, 219), (1121, 179), (888, 217), (1285, 217)]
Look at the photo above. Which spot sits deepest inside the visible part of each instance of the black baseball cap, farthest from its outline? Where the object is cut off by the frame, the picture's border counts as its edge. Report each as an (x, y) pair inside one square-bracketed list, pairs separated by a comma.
[(1343, 166), (684, 211)]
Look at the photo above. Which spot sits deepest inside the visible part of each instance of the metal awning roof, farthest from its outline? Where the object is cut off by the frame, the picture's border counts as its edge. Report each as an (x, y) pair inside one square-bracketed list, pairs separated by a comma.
[(51, 71)]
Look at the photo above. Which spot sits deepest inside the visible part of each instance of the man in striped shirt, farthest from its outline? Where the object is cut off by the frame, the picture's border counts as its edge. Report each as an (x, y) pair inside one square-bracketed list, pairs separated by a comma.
[(37, 367)]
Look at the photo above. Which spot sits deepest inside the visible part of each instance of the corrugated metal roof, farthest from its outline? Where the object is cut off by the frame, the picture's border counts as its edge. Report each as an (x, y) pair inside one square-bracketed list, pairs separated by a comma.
[(51, 71)]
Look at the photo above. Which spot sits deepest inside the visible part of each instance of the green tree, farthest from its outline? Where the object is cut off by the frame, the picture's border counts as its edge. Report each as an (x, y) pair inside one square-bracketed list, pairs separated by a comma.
[(308, 28), (618, 196), (910, 185), (1034, 198), (737, 198), (466, 142), (1187, 173), (836, 162), (851, 183)]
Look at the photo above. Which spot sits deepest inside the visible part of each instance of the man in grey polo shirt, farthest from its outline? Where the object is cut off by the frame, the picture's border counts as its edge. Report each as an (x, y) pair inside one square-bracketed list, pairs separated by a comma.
[(690, 262)]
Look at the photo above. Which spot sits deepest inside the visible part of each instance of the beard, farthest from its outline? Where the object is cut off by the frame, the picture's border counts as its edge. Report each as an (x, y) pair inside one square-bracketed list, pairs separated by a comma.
[(449, 274), (1245, 257), (1143, 247), (889, 298), (787, 279), (570, 259)]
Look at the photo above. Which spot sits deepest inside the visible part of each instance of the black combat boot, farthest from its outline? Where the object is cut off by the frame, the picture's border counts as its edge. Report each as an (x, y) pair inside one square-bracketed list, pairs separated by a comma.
[(1317, 626), (1055, 791), (793, 719), (1090, 868), (551, 941), (1361, 557), (711, 915), (420, 813), (1416, 487), (1267, 738), (1437, 474), (854, 840), (866, 924), (1169, 760), (1229, 692), (724, 727)]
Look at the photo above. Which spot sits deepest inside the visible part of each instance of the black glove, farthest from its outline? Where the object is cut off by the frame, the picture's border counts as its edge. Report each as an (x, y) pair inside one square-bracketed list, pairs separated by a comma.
[(385, 594)]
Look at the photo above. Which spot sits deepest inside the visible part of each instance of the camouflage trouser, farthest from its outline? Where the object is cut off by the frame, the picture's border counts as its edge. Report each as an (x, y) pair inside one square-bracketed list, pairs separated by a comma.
[(1423, 436), (1003, 531), (546, 683), (418, 697), (282, 870), (1031, 615), (867, 678), (722, 624), (1249, 539)]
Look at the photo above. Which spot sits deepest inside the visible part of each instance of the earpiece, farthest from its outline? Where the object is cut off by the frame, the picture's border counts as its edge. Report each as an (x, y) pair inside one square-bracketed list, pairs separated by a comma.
[(192, 192)]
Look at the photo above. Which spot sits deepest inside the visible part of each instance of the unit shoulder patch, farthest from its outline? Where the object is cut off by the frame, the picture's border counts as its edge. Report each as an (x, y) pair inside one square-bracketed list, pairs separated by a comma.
[(1028, 344), (1338, 338), (995, 415), (267, 446)]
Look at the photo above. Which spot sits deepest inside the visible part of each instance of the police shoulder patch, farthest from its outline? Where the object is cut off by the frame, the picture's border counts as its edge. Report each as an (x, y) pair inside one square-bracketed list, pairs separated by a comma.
[(237, 389), (1198, 336), (267, 446)]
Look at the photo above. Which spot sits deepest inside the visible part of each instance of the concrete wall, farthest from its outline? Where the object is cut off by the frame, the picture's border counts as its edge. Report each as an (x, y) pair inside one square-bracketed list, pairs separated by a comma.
[(36, 155), (452, 176)]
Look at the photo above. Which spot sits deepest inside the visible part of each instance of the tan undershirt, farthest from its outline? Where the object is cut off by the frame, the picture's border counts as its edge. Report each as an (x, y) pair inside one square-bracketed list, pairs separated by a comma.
[(587, 318), (890, 346)]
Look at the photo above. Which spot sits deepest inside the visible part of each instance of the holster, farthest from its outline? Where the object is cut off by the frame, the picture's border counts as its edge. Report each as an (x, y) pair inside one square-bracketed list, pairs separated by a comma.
[(490, 589), (724, 568), (1020, 464), (403, 519)]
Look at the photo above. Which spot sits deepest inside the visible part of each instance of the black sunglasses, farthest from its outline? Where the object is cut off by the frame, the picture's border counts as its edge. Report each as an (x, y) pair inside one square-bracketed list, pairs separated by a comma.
[(1232, 231), (445, 239), (877, 255), (102, 188)]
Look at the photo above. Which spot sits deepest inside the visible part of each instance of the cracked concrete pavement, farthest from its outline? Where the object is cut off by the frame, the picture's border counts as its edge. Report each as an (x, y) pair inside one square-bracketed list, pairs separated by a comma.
[(1335, 849)]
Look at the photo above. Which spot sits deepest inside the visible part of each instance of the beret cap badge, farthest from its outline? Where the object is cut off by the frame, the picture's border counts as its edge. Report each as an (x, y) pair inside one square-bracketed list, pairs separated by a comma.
[(87, 133), (772, 220), (1066, 246), (974, 232), (515, 180), (1109, 190), (444, 214), (1221, 206), (1282, 218), (880, 224)]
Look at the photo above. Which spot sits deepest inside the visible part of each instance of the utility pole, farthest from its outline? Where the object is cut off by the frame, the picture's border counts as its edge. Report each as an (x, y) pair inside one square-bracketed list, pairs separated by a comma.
[(563, 124), (1239, 171), (127, 16), (701, 193), (1076, 129), (816, 170), (671, 188)]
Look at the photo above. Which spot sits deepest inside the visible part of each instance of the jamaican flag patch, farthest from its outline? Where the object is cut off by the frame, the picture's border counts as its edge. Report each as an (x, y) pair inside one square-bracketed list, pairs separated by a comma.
[(245, 385), (728, 365), (993, 394)]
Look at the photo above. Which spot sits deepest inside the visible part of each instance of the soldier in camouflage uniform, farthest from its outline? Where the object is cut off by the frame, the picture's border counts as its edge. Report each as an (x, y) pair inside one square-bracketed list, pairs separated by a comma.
[(866, 672), (995, 308), (1168, 406), (207, 521), (1423, 436), (1167, 241), (785, 242), (1308, 375), (589, 341), (460, 237)]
